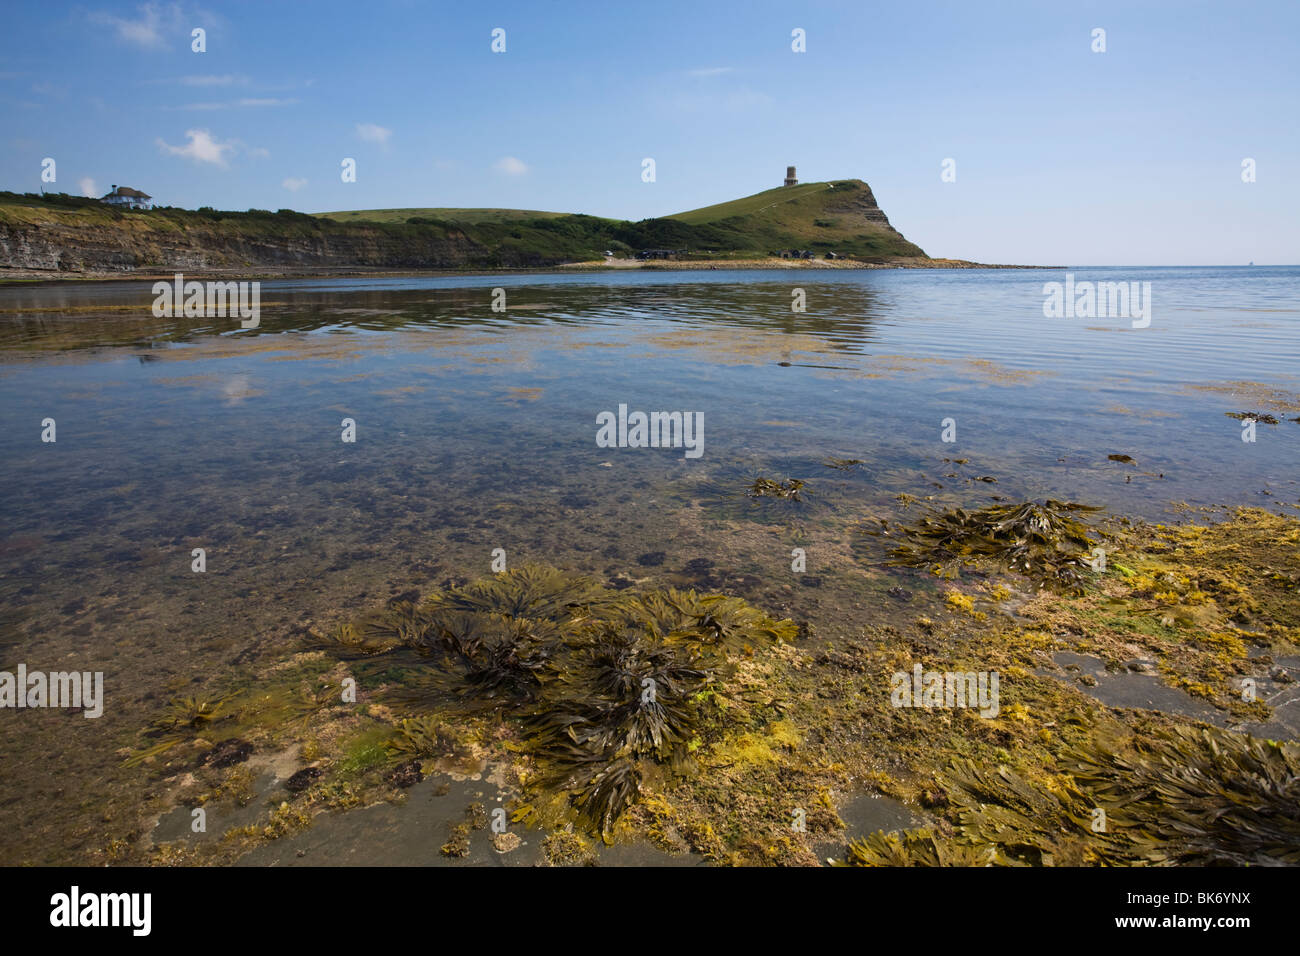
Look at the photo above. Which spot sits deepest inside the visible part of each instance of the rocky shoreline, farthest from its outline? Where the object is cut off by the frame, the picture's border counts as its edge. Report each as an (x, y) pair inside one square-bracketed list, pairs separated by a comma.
[(44, 276)]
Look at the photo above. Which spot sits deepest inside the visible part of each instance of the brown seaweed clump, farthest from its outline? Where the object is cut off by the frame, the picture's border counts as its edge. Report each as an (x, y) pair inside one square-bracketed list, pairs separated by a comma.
[(770, 488), (603, 687), (1262, 417), (1183, 796), (843, 464), (1043, 541)]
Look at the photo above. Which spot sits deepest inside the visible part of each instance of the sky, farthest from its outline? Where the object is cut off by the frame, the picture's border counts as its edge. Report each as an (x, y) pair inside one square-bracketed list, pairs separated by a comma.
[(1060, 154)]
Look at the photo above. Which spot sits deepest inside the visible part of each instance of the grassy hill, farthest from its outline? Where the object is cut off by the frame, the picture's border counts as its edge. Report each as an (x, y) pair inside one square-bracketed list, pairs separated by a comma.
[(459, 215), (58, 232), (840, 216)]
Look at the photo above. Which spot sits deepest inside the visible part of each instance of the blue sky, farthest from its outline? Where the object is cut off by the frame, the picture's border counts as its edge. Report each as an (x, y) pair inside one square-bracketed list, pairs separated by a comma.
[(1062, 155)]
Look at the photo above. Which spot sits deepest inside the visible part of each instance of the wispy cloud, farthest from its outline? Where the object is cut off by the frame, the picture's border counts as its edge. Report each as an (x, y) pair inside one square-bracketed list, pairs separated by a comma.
[(235, 104), (148, 29), (743, 100), (221, 79), (88, 187), (294, 183), (201, 148), (372, 133), (510, 166)]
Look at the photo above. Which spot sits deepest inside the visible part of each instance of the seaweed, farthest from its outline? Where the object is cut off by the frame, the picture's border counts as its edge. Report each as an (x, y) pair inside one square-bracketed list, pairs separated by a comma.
[(1041, 540), (1185, 795), (603, 685), (419, 737), (1199, 795), (1262, 417), (843, 464), (915, 848), (192, 713), (768, 488), (182, 719)]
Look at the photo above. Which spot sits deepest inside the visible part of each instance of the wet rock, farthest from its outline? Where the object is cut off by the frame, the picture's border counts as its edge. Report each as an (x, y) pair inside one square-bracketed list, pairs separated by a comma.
[(407, 775), (227, 753), (506, 842), (457, 844), (934, 799), (476, 816), (303, 779)]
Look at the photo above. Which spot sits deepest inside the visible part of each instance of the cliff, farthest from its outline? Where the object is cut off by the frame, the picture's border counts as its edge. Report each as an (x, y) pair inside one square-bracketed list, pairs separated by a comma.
[(58, 233)]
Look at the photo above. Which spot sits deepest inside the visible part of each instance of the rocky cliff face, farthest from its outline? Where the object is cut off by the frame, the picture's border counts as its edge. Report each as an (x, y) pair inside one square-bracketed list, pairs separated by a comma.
[(113, 247), (860, 202)]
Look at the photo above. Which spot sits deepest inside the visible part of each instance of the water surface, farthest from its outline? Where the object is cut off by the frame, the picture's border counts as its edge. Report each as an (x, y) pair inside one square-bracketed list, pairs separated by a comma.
[(476, 431)]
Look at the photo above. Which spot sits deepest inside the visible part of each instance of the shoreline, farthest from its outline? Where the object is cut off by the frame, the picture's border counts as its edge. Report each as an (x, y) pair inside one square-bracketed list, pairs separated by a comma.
[(34, 277)]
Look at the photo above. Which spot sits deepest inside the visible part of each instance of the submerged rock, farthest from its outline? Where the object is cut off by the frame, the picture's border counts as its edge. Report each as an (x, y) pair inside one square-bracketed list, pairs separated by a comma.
[(303, 779), (226, 754)]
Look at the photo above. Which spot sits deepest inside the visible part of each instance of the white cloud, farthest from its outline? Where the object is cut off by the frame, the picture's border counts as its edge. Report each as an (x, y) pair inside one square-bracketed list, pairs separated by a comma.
[(224, 79), (201, 148), (234, 104), (88, 187), (510, 166), (733, 101), (374, 134), (148, 29), (294, 183)]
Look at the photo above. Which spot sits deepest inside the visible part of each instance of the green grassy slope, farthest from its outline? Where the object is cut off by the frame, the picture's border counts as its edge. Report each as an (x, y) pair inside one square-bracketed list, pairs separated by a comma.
[(449, 213), (780, 196), (840, 217)]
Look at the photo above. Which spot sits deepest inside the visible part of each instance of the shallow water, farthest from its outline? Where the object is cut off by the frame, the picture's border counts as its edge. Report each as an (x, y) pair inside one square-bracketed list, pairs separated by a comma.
[(476, 430)]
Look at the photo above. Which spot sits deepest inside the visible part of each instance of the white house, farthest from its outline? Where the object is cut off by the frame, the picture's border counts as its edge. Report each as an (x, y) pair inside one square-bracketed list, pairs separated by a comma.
[(128, 197)]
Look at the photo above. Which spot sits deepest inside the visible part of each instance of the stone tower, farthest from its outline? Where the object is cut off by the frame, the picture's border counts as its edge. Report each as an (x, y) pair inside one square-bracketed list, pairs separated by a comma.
[(789, 177)]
